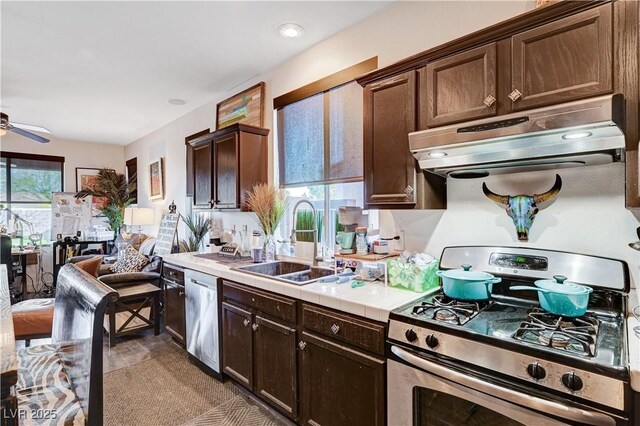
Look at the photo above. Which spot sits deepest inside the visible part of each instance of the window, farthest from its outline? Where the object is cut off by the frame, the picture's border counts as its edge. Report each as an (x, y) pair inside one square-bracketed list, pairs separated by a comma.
[(320, 146), (26, 184)]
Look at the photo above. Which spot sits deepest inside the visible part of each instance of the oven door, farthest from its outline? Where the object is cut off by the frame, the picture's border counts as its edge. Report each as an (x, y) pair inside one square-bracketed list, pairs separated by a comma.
[(423, 393)]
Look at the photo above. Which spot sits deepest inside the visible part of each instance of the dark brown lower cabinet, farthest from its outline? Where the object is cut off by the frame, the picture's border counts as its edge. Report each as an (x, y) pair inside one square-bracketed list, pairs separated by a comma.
[(275, 364), (174, 310), (237, 347), (340, 386)]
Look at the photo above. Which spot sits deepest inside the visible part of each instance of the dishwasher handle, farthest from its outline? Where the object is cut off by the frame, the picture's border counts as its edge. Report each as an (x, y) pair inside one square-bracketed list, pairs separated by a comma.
[(210, 286)]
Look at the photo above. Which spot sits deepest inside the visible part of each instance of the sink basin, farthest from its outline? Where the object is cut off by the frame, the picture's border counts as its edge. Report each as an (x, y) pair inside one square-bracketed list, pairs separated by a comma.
[(307, 277), (289, 272)]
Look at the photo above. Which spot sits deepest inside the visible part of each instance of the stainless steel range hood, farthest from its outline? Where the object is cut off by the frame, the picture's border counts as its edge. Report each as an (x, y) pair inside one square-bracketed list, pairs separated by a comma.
[(573, 134)]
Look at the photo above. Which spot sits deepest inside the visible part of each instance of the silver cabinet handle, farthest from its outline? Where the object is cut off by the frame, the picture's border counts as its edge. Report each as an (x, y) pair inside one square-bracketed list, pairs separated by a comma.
[(180, 293), (246, 322), (515, 95), (408, 190), (489, 100), (543, 405), (302, 345), (255, 327), (335, 328)]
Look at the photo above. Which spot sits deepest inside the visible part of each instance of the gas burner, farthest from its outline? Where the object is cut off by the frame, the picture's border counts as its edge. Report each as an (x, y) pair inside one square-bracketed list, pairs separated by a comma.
[(574, 335), (452, 311)]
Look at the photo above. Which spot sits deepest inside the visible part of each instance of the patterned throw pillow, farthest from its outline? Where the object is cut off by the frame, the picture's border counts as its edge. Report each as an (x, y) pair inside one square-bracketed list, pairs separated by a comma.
[(129, 261)]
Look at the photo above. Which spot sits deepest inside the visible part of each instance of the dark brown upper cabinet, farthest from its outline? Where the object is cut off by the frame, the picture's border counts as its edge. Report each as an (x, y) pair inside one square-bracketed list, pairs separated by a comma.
[(462, 87), (202, 173), (565, 60), (226, 165), (389, 117)]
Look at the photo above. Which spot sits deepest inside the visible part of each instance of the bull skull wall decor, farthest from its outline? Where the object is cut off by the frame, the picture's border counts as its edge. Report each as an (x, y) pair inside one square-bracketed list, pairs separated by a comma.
[(522, 209)]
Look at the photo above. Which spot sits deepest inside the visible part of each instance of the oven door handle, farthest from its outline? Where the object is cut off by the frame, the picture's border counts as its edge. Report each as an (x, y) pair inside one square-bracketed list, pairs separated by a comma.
[(539, 404)]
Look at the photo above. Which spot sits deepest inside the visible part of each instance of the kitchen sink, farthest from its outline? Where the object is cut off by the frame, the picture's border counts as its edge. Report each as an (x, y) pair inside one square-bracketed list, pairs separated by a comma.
[(289, 272)]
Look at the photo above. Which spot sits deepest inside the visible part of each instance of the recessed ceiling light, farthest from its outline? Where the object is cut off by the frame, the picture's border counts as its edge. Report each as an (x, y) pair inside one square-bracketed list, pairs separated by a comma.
[(290, 30), (437, 154), (576, 135), (176, 101)]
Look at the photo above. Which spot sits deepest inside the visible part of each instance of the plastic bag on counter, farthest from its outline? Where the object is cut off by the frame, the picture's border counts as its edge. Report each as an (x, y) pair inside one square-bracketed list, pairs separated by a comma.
[(413, 271)]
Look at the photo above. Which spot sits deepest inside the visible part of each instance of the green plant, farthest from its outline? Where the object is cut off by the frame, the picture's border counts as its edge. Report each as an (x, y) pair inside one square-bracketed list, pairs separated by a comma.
[(304, 222), (116, 192), (269, 204), (198, 225)]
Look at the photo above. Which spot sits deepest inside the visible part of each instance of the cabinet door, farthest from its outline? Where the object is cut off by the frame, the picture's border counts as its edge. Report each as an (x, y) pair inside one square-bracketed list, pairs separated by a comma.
[(462, 87), (174, 315), (275, 364), (340, 386), (389, 166), (226, 169), (237, 344), (202, 174), (562, 61)]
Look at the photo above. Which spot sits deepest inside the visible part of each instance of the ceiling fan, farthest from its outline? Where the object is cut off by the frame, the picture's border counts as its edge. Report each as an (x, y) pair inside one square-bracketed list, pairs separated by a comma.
[(21, 129)]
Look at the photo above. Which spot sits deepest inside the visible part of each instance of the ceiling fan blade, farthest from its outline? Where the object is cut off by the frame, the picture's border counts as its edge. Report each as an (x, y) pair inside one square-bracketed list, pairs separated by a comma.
[(26, 134), (31, 127)]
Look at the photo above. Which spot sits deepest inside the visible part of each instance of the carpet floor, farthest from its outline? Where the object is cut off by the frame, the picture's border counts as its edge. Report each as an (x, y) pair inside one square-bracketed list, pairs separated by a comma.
[(169, 390)]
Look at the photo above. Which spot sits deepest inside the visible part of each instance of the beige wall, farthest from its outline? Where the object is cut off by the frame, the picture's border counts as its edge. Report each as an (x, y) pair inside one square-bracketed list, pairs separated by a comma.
[(400, 30), (76, 154)]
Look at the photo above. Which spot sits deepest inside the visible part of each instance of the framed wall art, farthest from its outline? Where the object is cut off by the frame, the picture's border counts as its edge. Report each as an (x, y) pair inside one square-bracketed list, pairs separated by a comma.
[(247, 107), (86, 178), (156, 179)]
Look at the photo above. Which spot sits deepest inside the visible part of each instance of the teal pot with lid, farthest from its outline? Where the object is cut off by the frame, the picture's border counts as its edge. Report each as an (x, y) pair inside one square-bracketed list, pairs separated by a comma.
[(465, 284), (561, 297)]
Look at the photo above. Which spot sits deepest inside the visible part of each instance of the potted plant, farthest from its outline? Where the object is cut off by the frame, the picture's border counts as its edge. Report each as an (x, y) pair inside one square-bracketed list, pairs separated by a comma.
[(116, 192), (199, 226), (269, 204), (305, 243)]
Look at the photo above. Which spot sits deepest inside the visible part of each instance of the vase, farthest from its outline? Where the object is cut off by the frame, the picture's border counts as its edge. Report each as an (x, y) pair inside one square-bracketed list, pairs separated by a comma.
[(270, 248)]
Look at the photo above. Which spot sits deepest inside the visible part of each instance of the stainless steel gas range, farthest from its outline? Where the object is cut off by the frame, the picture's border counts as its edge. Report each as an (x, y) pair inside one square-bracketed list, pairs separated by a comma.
[(505, 361)]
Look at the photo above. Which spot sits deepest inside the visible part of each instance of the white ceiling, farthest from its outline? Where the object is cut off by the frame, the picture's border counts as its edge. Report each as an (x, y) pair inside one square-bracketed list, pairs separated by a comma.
[(103, 71)]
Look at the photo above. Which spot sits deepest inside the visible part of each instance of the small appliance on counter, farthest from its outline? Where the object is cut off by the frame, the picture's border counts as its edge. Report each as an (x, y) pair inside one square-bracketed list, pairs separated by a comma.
[(350, 218)]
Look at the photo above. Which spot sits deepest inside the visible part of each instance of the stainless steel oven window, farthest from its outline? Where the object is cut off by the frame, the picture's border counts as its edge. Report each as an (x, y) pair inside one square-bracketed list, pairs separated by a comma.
[(416, 378)]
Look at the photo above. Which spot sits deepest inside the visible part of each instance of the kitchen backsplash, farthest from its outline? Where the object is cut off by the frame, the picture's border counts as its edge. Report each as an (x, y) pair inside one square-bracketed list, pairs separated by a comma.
[(588, 217)]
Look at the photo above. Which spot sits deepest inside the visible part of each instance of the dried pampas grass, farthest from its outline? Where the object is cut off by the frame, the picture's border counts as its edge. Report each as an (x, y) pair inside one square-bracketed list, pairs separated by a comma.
[(269, 204)]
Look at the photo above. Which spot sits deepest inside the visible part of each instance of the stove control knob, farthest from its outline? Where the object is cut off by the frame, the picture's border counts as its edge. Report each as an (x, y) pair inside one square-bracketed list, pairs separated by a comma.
[(432, 341), (411, 336), (536, 371), (572, 381)]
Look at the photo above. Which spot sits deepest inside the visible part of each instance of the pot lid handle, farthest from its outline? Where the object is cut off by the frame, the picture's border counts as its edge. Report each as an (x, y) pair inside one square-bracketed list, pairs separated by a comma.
[(560, 279), (466, 267)]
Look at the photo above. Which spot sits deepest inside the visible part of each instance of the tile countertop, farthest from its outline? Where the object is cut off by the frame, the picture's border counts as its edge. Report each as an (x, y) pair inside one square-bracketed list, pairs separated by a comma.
[(373, 300)]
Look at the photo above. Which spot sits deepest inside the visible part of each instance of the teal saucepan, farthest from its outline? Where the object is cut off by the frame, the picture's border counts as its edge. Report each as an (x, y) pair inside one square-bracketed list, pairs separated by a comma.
[(561, 297), (465, 284)]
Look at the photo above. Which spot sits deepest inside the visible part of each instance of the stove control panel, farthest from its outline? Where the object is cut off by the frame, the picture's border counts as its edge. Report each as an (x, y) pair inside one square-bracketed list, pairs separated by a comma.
[(591, 386), (518, 261)]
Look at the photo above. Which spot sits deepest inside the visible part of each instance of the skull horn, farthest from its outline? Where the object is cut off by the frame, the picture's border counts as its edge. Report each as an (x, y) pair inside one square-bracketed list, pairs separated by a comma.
[(500, 199), (550, 194)]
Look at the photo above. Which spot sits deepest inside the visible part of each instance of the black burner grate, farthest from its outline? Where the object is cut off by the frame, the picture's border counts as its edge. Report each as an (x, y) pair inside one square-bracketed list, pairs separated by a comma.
[(443, 308), (574, 335)]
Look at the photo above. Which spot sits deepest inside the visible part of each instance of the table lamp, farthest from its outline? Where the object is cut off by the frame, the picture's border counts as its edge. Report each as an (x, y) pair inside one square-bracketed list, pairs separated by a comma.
[(138, 217)]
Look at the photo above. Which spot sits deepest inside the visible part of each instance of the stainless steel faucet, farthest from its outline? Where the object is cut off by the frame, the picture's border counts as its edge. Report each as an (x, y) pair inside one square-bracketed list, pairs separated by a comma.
[(315, 229)]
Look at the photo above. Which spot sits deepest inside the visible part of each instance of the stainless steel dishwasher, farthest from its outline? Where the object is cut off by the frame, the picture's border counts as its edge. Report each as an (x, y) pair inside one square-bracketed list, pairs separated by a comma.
[(203, 340)]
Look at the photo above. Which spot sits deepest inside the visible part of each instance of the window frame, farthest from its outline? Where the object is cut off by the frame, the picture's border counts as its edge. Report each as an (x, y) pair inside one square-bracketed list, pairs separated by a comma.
[(8, 156)]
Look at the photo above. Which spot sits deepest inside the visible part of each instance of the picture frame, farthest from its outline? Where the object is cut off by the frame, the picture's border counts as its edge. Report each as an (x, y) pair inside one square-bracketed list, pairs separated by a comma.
[(246, 107), (156, 179), (85, 177)]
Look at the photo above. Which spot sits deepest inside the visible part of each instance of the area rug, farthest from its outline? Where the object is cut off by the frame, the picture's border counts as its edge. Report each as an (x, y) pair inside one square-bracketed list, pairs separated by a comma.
[(169, 390)]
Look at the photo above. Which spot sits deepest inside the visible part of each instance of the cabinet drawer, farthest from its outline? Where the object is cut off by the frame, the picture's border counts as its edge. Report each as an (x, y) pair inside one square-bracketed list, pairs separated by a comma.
[(269, 304), (357, 332), (173, 273)]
